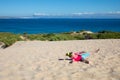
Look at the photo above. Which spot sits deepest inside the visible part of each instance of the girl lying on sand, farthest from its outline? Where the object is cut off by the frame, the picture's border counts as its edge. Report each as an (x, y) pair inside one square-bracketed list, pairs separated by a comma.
[(80, 56)]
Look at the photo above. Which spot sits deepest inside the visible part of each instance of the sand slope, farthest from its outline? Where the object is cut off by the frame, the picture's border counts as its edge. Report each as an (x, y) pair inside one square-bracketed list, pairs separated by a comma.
[(39, 60)]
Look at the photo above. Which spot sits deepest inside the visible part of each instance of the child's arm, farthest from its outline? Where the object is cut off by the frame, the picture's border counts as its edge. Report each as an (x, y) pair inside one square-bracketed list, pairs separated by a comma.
[(71, 61)]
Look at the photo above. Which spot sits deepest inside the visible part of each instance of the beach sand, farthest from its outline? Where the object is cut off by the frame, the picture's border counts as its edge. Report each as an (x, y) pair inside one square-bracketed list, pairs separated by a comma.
[(44, 60)]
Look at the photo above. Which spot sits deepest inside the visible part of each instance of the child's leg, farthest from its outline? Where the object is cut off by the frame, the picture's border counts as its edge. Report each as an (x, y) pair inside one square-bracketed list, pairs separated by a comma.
[(96, 51), (85, 61)]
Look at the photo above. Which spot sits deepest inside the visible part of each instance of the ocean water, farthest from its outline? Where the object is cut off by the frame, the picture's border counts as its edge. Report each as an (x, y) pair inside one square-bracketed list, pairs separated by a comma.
[(33, 26)]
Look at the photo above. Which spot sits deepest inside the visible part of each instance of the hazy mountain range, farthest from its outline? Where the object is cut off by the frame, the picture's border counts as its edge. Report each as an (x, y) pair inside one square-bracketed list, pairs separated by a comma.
[(74, 15)]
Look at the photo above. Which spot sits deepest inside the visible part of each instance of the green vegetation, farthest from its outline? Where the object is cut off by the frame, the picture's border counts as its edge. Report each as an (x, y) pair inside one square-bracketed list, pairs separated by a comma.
[(10, 38), (108, 35), (55, 37)]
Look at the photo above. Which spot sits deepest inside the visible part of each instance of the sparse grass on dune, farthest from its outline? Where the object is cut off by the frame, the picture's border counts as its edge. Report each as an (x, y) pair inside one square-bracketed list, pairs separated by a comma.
[(10, 38), (55, 37)]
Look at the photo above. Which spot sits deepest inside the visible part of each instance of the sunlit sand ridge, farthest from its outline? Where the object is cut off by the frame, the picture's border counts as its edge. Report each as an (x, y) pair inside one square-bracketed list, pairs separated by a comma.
[(44, 60)]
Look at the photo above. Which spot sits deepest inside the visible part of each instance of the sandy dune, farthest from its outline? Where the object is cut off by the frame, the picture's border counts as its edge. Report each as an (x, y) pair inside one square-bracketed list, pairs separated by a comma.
[(39, 60)]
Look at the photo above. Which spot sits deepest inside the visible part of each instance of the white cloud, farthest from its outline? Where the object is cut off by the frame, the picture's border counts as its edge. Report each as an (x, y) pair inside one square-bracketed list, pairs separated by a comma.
[(83, 13), (44, 14), (92, 13), (80, 14), (77, 13), (40, 14), (117, 12)]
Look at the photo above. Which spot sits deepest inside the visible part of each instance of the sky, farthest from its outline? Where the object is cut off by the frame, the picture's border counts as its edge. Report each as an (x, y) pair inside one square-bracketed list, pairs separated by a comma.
[(57, 7)]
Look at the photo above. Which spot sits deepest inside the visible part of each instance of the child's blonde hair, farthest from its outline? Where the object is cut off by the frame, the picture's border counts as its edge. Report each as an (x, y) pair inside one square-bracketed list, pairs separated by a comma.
[(69, 54)]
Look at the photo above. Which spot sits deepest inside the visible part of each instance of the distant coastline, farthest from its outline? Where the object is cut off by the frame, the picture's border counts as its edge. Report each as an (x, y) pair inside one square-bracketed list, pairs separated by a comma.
[(31, 17), (113, 15)]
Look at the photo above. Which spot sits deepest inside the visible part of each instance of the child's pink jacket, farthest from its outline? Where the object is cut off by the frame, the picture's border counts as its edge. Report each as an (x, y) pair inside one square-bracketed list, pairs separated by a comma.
[(76, 57)]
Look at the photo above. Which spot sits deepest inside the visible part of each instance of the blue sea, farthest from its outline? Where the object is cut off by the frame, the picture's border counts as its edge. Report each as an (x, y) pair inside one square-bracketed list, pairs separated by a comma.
[(58, 25)]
